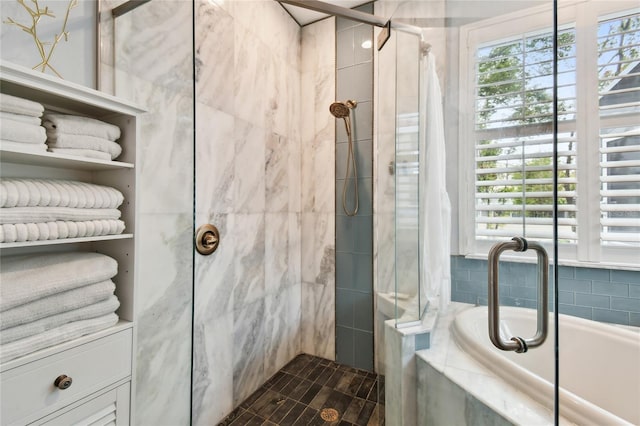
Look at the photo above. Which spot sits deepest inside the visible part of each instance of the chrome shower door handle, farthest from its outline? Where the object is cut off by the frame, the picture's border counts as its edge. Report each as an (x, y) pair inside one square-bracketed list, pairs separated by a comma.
[(517, 343)]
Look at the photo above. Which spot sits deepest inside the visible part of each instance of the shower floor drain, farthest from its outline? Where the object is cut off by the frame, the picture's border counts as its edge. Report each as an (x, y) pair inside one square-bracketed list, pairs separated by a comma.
[(329, 415)]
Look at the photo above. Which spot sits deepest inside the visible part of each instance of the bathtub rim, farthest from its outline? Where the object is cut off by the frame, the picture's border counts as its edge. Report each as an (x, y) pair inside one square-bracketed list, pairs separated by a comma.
[(572, 405)]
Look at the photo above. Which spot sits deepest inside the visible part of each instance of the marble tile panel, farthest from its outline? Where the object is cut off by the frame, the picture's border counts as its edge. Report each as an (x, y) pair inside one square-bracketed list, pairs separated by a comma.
[(384, 257), (164, 319), (165, 143), (214, 56), (215, 160), (318, 45), (252, 90), (318, 248), (212, 367), (317, 330), (282, 328), (249, 331), (215, 274), (276, 173), (294, 175), (271, 25), (294, 109), (165, 257), (276, 252), (283, 102), (318, 174), (146, 49), (323, 174), (307, 107), (294, 261), (249, 178), (324, 96), (248, 235)]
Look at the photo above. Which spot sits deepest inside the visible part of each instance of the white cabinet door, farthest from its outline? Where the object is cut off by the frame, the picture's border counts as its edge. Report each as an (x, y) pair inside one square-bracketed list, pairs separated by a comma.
[(109, 408)]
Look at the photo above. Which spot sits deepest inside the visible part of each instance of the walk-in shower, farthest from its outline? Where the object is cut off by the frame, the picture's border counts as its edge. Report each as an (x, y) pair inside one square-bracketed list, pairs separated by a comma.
[(343, 110)]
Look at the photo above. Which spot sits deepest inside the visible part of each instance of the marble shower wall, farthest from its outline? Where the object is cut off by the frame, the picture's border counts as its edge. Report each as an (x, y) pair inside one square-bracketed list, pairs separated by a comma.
[(152, 67), (267, 294), (317, 331), (248, 161)]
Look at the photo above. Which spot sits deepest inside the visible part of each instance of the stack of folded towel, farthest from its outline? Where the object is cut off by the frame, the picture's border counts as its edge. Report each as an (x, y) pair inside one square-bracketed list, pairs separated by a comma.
[(44, 209), (20, 128), (48, 299), (81, 136)]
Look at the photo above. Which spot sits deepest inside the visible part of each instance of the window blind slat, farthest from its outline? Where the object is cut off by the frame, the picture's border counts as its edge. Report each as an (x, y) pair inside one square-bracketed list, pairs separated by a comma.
[(622, 163), (618, 237), (517, 195), (614, 149), (620, 193), (620, 178), (527, 207), (528, 169), (510, 182), (526, 156), (563, 235), (527, 220), (617, 222), (620, 207)]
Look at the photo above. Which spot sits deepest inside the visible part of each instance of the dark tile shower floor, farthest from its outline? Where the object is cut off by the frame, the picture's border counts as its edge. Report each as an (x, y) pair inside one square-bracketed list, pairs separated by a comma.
[(314, 391)]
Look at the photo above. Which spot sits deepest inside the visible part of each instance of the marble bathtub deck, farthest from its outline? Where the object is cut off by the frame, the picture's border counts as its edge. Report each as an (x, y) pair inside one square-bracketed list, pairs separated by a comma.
[(297, 394)]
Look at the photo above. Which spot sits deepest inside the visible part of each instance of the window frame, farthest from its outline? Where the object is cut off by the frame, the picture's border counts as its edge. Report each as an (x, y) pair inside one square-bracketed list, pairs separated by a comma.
[(584, 16)]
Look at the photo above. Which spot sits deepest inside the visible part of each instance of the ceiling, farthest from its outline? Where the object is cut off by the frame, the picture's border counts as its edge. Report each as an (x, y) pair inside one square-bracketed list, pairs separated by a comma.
[(305, 16)]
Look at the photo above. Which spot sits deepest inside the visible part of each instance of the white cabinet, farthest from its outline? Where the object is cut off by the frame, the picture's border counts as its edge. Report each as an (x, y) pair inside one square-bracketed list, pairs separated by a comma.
[(100, 365)]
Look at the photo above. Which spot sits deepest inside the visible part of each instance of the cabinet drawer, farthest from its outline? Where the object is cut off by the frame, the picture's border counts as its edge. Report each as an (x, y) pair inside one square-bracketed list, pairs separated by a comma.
[(28, 392)]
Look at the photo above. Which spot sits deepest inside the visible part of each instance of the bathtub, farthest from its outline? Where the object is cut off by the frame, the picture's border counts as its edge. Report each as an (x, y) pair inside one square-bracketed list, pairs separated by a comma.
[(599, 364)]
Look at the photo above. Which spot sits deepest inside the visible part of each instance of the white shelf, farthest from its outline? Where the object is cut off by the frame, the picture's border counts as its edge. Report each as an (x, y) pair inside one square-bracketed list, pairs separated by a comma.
[(52, 91), (65, 241), (51, 159)]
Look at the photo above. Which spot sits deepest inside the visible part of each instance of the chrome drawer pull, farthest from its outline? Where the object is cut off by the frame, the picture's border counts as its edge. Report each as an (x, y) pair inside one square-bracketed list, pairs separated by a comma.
[(63, 382)]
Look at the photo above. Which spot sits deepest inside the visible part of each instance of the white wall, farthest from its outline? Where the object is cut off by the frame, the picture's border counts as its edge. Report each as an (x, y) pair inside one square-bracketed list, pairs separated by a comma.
[(74, 59)]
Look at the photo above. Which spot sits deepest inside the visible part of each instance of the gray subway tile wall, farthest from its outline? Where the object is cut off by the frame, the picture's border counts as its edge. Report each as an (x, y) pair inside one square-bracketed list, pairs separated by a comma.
[(604, 295), (354, 234)]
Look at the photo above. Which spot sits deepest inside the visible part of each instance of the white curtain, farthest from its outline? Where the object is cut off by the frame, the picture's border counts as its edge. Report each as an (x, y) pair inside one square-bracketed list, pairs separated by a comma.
[(435, 208)]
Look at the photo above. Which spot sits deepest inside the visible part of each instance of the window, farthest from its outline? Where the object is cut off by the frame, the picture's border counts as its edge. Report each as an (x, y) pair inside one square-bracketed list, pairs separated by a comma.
[(507, 103)]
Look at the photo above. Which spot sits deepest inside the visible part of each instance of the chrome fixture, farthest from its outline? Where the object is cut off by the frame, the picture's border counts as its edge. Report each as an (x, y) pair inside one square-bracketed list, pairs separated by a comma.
[(343, 110), (207, 239), (516, 343)]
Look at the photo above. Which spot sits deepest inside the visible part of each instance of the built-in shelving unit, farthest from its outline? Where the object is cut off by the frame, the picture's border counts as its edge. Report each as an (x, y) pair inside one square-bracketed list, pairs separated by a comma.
[(30, 398)]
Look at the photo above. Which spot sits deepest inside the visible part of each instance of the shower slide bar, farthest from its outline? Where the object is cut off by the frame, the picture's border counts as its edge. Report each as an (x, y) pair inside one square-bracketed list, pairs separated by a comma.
[(516, 343)]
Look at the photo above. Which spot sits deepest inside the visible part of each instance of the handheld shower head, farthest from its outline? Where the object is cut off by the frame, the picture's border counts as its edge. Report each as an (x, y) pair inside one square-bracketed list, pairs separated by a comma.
[(341, 109)]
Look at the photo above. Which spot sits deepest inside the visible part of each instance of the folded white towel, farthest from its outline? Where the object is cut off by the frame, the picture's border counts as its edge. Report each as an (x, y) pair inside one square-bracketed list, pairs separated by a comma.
[(77, 125), (15, 131), (29, 277), (17, 105), (22, 192), (22, 331), (56, 336), (87, 153), (57, 303), (21, 232), (36, 121), (64, 140), (23, 147), (53, 214)]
